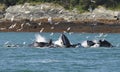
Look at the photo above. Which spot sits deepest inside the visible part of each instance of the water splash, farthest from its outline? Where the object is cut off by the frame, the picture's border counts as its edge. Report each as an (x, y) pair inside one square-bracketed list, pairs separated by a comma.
[(39, 38)]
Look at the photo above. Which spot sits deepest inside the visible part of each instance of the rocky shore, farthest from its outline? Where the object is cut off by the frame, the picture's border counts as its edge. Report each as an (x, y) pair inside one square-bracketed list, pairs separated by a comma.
[(54, 18)]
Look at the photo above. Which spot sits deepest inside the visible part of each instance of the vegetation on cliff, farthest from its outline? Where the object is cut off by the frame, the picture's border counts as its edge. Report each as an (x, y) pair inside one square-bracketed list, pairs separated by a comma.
[(81, 5)]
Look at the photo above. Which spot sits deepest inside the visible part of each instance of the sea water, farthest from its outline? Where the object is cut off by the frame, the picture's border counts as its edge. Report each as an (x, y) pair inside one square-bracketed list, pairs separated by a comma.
[(29, 59)]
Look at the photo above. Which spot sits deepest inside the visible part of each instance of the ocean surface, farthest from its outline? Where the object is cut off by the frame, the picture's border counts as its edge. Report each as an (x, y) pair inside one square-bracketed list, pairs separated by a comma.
[(22, 58)]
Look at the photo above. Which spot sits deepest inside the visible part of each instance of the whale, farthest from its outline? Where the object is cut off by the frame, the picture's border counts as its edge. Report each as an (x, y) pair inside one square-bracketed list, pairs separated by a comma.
[(62, 41), (105, 43), (87, 43), (42, 44), (96, 43), (41, 41), (65, 41)]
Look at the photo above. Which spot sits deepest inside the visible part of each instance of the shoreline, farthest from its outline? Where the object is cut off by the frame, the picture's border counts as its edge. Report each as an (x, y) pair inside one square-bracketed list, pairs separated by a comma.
[(60, 25), (35, 18)]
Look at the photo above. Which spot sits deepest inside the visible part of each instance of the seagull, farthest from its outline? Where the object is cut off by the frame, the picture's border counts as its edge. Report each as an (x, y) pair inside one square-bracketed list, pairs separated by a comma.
[(52, 27), (52, 34), (41, 30), (40, 24), (60, 12), (87, 37), (12, 26), (6, 42), (90, 9), (56, 23), (24, 43), (31, 18), (92, 1), (21, 27), (50, 20), (12, 18), (117, 17), (41, 7), (68, 29), (2, 28), (93, 15), (70, 33)]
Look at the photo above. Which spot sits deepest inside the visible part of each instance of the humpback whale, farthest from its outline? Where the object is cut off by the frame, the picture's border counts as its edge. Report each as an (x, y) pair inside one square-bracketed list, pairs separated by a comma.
[(41, 41), (105, 43), (87, 43), (63, 41), (95, 43)]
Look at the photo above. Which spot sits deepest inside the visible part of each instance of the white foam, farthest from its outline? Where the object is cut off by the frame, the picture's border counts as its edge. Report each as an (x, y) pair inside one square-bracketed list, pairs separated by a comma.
[(84, 44), (39, 38), (42, 61), (95, 46), (59, 42)]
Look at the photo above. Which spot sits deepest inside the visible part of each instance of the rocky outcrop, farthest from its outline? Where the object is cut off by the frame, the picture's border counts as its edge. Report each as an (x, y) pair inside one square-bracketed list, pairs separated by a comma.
[(1, 14), (27, 11), (47, 10)]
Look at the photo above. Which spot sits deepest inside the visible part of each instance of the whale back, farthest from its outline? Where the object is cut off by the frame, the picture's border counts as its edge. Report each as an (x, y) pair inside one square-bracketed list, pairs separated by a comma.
[(90, 43), (104, 43)]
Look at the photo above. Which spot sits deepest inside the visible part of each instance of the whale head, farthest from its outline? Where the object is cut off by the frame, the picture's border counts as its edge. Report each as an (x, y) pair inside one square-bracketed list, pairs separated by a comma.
[(41, 41), (105, 43), (63, 41)]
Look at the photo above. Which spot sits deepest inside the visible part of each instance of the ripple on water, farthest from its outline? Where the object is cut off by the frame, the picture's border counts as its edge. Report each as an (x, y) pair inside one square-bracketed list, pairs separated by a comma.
[(28, 59)]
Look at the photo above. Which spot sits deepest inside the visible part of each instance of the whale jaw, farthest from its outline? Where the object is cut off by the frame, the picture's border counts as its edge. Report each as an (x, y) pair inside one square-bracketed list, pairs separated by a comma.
[(63, 41), (41, 41), (41, 44)]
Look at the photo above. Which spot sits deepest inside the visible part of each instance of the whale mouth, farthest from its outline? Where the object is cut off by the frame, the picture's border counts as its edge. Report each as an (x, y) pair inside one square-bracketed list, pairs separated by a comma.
[(41, 41), (62, 41), (65, 40)]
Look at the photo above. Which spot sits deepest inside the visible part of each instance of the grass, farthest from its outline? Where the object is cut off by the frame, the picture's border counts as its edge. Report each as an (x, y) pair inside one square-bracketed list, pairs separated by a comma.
[(35, 3), (80, 9), (2, 6), (117, 8)]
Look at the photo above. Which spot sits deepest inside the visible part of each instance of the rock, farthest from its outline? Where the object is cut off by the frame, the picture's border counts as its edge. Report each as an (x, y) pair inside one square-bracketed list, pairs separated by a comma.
[(47, 10), (1, 14)]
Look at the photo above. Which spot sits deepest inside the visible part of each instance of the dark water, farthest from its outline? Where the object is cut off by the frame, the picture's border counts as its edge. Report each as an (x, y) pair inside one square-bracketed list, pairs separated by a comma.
[(28, 59)]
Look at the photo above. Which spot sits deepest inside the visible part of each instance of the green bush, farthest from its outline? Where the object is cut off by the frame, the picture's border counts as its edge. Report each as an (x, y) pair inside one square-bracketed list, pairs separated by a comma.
[(81, 5)]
